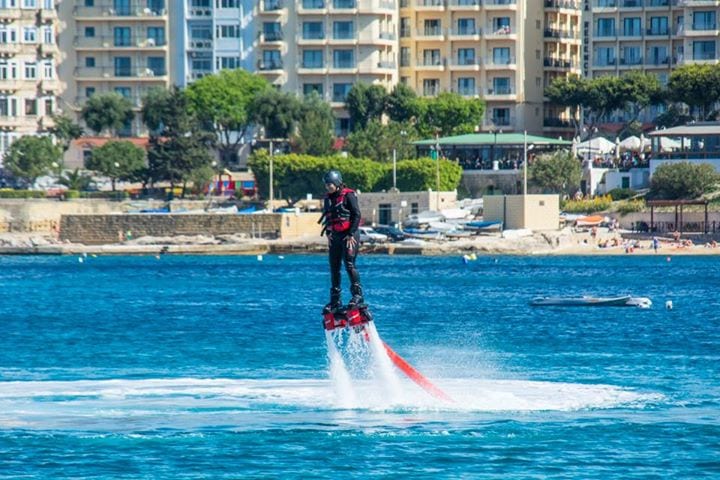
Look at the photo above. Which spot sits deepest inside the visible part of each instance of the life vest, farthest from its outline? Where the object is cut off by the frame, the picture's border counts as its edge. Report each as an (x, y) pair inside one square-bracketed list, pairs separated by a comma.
[(337, 216)]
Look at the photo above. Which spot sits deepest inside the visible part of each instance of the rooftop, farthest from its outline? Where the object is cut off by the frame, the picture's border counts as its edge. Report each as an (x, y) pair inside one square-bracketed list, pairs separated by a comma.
[(493, 139)]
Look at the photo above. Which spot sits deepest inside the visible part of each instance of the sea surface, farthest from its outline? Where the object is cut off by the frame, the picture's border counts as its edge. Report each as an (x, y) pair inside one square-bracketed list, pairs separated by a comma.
[(217, 367)]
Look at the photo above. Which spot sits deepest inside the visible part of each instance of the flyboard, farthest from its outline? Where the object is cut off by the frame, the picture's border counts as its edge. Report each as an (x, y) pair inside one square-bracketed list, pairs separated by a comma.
[(359, 319)]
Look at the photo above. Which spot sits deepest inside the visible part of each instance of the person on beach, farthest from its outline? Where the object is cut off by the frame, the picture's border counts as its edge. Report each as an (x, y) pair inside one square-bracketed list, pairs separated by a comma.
[(341, 219)]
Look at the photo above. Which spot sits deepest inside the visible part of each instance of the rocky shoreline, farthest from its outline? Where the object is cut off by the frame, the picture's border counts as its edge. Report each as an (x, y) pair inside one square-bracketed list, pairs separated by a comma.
[(564, 242)]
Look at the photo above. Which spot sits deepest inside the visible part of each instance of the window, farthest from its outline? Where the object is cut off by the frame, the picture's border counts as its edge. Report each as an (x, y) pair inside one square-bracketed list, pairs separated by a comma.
[(30, 106), (48, 69), (156, 65), (29, 4), (343, 58), (48, 36), (344, 3), (201, 33), (605, 27), (228, 3), (631, 56), (501, 25), (466, 56), (123, 66), (29, 35), (340, 91), (308, 88), (272, 31), (4, 70), (659, 26), (122, 36), (605, 56), (431, 57), (230, 63), (271, 60), (431, 87), (125, 92), (704, 21), (343, 30), (632, 27), (48, 4), (466, 26), (310, 4), (657, 55), (432, 27), (227, 31), (30, 71), (414, 208), (342, 127), (501, 86), (89, 91), (156, 36), (466, 86), (501, 56), (89, 32), (501, 116), (312, 59), (90, 62), (313, 31), (704, 50), (202, 64), (404, 56), (89, 3), (405, 29)]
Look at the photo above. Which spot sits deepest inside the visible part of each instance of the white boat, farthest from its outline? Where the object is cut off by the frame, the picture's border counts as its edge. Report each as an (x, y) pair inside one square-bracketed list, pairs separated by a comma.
[(623, 301)]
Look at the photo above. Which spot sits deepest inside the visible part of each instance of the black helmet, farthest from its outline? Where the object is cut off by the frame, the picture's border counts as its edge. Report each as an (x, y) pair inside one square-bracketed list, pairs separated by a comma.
[(334, 177)]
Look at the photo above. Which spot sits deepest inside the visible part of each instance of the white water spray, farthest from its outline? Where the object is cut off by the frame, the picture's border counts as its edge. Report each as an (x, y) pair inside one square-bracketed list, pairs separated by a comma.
[(339, 375), (383, 367)]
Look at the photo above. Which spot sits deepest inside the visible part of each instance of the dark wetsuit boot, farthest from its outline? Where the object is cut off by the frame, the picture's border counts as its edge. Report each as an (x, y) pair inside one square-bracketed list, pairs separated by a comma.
[(357, 299), (334, 303)]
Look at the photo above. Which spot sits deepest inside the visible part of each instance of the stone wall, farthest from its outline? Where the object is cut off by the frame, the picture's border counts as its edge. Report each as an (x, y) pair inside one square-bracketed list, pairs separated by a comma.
[(105, 229), (40, 215)]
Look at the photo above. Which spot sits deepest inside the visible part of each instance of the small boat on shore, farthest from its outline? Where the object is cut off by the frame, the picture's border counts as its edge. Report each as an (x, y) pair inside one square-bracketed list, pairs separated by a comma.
[(623, 301)]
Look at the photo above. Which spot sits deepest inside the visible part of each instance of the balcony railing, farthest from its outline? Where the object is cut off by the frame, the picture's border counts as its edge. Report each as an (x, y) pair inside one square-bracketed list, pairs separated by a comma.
[(631, 61), (569, 4), (658, 60), (558, 63), (270, 65), (271, 36), (500, 91), (108, 10), (558, 33), (313, 4), (120, 72), (273, 5), (658, 32), (610, 62), (465, 32), (109, 41)]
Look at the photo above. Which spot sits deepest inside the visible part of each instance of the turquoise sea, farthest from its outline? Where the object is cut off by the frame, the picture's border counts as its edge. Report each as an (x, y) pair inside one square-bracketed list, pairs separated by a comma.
[(217, 367)]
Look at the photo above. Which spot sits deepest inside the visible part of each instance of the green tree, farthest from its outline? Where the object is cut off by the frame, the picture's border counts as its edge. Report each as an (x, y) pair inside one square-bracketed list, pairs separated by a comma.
[(377, 141), (180, 145), (640, 90), (222, 102), (30, 157), (568, 92), (76, 180), (697, 86), (672, 117), (559, 172), (683, 180), (277, 112), (117, 160), (65, 131), (107, 111), (315, 127), (365, 103), (421, 174), (156, 108), (449, 114), (401, 104)]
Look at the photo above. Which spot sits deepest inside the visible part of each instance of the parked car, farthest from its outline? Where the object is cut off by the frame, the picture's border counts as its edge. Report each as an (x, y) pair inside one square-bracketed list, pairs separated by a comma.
[(394, 234), (369, 235)]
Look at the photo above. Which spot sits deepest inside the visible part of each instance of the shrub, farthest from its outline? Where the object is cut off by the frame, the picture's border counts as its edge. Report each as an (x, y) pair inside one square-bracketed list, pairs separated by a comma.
[(72, 194), (630, 206), (622, 193), (591, 205), (11, 193), (683, 180)]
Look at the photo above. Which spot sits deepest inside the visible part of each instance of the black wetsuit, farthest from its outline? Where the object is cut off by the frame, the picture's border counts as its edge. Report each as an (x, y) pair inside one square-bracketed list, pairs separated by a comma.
[(342, 219)]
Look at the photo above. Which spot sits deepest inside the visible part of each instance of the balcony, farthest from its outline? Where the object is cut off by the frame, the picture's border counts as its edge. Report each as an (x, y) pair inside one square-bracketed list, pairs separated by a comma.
[(500, 4), (431, 64), (504, 32), (466, 64), (135, 10), (605, 33), (199, 12), (465, 5), (312, 68), (702, 29), (48, 15), (312, 7), (658, 61), (468, 33), (630, 62), (606, 63), (271, 36), (268, 66), (312, 38), (10, 48), (431, 34), (601, 6), (466, 91), (47, 49), (562, 5), (631, 3), (503, 93), (50, 85), (500, 63), (10, 14), (378, 7), (103, 42), (14, 122), (431, 91), (657, 32), (559, 64), (200, 44), (555, 33), (343, 6), (630, 34), (429, 5), (122, 74), (272, 7), (135, 100), (495, 121), (552, 122), (658, 3)]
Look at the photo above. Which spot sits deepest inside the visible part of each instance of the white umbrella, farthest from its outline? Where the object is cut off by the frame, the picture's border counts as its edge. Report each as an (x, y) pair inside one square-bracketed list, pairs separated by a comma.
[(632, 143), (597, 145), (617, 148), (668, 144)]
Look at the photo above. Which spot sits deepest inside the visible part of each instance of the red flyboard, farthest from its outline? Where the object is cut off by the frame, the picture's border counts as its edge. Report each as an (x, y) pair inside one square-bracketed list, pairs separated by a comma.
[(416, 376)]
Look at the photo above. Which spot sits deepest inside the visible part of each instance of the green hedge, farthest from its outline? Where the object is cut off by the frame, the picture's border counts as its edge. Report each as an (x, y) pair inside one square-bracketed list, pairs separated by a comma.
[(11, 193), (294, 175), (622, 193), (630, 206)]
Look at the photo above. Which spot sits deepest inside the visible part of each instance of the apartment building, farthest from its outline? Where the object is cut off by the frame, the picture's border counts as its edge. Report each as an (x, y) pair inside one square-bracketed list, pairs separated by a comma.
[(654, 36), (326, 46), (504, 51), (211, 35), (28, 68), (113, 46)]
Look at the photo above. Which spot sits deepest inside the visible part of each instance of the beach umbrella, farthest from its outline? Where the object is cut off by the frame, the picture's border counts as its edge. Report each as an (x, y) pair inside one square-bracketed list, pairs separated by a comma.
[(631, 143), (597, 146)]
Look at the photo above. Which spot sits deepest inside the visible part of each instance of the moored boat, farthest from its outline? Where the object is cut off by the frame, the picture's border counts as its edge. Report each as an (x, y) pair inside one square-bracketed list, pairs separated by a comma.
[(623, 301)]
